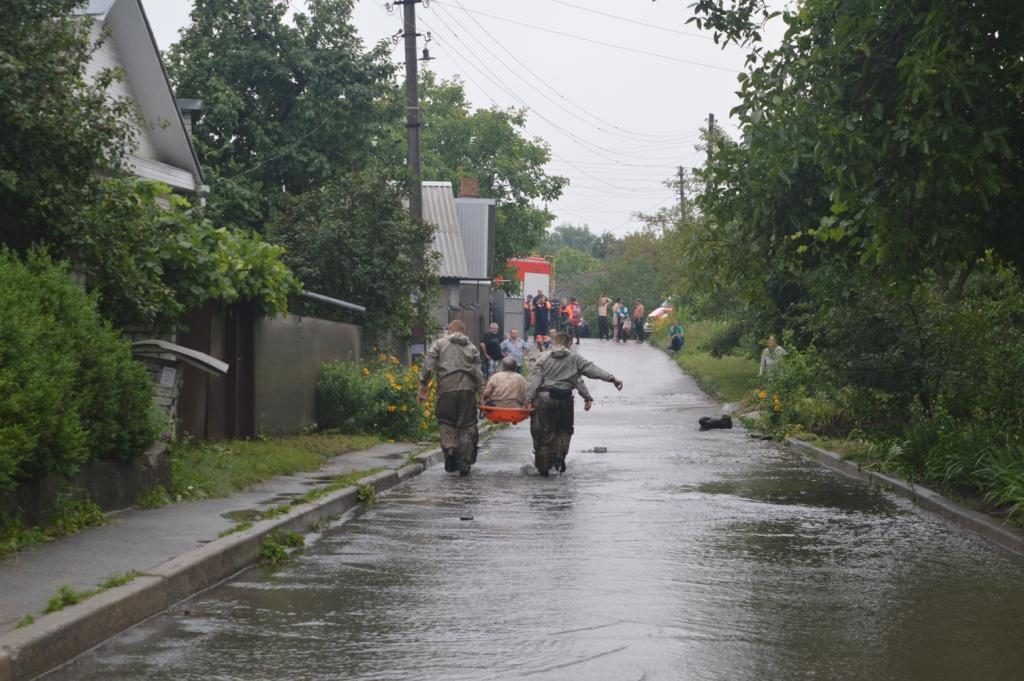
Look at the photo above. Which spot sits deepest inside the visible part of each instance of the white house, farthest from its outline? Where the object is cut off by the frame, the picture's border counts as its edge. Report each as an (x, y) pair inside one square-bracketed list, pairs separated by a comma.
[(164, 150)]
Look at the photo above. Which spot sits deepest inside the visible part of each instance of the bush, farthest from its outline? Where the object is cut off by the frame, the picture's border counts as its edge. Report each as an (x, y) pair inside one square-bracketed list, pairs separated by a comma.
[(375, 397), (70, 391)]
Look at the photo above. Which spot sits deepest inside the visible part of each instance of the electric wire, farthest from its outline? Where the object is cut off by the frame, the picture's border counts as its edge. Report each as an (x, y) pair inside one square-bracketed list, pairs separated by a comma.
[(634, 21), (496, 80), (596, 42), (625, 133), (551, 151)]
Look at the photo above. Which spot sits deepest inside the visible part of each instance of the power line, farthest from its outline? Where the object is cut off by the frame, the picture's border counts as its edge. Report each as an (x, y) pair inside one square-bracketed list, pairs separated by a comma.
[(496, 80), (628, 134), (553, 154), (596, 42), (634, 21)]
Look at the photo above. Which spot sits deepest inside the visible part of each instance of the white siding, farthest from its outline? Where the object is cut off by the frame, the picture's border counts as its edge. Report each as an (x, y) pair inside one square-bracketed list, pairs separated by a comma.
[(109, 57)]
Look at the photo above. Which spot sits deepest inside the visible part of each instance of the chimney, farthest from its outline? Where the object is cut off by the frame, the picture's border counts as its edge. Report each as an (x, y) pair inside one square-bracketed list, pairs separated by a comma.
[(470, 188), (190, 110)]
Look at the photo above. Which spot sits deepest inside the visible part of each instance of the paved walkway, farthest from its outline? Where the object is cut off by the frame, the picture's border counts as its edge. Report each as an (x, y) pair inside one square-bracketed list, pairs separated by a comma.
[(140, 540)]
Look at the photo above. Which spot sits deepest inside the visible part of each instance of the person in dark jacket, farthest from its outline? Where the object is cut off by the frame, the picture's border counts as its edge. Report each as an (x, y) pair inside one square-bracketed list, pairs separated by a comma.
[(541, 319), (455, 361), (549, 391)]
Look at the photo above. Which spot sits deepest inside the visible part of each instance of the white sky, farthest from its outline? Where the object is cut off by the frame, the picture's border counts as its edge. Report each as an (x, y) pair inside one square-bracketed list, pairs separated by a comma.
[(619, 122)]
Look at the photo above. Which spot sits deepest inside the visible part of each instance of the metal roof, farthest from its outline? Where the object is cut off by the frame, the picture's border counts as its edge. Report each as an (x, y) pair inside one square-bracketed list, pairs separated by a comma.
[(439, 210), (477, 221)]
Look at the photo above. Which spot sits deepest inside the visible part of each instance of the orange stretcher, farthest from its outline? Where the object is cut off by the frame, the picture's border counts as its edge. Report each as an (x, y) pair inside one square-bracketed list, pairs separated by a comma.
[(505, 414)]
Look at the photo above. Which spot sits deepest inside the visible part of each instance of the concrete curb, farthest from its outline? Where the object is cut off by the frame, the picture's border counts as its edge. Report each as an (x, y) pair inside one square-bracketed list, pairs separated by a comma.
[(61, 636), (981, 524)]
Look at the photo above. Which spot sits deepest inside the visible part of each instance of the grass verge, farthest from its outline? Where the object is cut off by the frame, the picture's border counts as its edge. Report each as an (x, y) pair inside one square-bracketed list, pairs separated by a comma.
[(70, 516), (729, 378), (246, 520), (66, 595), (216, 469)]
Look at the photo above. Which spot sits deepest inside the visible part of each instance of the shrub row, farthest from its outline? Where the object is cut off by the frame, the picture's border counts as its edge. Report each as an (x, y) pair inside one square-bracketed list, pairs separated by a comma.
[(376, 397), (70, 391)]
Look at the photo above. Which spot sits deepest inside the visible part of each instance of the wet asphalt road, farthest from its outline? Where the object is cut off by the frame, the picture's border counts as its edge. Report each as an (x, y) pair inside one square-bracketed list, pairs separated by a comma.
[(675, 555)]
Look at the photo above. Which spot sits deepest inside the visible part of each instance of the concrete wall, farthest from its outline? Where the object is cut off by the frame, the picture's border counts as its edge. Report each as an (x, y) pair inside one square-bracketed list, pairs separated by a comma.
[(111, 483), (288, 354)]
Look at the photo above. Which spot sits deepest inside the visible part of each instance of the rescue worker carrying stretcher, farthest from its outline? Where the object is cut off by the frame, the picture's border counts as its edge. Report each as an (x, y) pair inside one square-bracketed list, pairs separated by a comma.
[(456, 362), (549, 392)]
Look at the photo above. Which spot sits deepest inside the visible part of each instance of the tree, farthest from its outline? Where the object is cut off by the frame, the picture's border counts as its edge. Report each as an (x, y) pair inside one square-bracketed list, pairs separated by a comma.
[(63, 185), (354, 240), (489, 145), (578, 238), (59, 132), (287, 108), (897, 126)]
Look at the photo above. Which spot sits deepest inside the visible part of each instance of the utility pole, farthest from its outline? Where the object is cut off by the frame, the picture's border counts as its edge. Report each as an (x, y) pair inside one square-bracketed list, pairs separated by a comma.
[(682, 190), (412, 107), (711, 132)]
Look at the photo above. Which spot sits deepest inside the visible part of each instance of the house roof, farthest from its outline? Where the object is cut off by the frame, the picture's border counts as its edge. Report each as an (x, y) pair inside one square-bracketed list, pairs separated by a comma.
[(144, 69), (477, 222), (439, 210)]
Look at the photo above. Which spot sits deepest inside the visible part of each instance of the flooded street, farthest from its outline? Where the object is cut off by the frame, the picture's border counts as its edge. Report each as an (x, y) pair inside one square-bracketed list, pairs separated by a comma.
[(674, 555)]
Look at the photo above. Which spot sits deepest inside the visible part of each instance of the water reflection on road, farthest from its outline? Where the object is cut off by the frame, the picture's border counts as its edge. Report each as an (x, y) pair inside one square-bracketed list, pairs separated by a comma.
[(675, 555)]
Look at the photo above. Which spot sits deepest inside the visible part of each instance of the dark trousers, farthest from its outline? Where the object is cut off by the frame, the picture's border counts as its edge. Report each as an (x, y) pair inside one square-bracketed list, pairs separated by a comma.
[(638, 325), (551, 426), (602, 328), (456, 418)]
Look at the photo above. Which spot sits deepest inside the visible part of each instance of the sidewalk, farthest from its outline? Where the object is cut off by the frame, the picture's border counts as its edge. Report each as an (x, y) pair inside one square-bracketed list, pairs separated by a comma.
[(164, 544)]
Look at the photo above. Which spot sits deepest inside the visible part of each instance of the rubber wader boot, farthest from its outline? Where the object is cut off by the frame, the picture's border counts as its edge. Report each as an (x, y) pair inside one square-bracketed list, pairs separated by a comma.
[(449, 461)]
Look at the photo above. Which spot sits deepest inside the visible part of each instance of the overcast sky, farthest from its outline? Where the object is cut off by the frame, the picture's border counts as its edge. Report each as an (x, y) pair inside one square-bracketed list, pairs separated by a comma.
[(621, 112)]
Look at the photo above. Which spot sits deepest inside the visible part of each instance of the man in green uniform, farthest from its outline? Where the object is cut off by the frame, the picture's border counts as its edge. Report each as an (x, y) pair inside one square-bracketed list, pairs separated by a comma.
[(456, 362), (549, 392)]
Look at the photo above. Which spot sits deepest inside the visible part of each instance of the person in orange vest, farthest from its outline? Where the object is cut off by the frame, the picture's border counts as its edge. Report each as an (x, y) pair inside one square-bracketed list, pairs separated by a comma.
[(575, 315)]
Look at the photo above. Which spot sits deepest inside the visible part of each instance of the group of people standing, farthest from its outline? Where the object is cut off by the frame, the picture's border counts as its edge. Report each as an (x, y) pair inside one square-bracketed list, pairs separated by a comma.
[(548, 316), (457, 366), (617, 322)]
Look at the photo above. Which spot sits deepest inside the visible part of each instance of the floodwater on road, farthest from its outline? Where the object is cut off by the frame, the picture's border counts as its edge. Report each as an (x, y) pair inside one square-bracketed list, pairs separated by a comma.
[(677, 554)]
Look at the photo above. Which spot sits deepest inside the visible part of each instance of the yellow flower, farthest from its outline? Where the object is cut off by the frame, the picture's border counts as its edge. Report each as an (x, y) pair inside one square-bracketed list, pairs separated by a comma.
[(391, 408), (404, 409), (761, 394)]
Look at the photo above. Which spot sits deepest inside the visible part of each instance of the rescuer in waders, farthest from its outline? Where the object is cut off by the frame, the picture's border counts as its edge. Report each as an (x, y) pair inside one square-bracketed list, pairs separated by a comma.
[(456, 362), (549, 392)]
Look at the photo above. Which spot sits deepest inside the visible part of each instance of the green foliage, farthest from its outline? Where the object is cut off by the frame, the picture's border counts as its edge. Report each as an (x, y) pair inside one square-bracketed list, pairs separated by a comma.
[(64, 185), (366, 494), (873, 209), (64, 597), (373, 397), (59, 131), (25, 621), (70, 514), (14, 536), (156, 497), (118, 579), (489, 145), (274, 549), (240, 527), (578, 239), (215, 469), (289, 104), (294, 540), (74, 513), (152, 257), (70, 391), (355, 241)]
